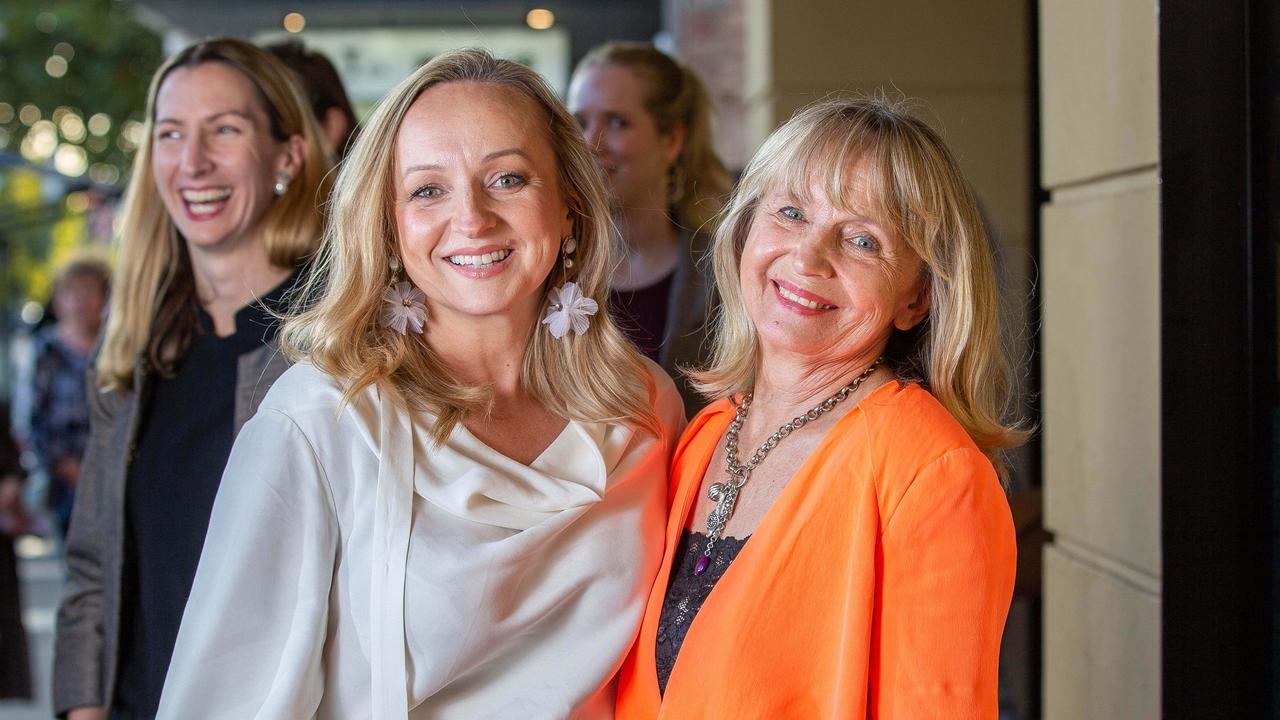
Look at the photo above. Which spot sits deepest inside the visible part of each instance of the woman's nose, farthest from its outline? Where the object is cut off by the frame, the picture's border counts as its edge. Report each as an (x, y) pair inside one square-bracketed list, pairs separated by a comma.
[(195, 160), (474, 215), (809, 256)]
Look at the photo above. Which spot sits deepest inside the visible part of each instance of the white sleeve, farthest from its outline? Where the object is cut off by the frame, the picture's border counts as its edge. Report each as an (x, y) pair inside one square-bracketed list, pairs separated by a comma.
[(253, 632)]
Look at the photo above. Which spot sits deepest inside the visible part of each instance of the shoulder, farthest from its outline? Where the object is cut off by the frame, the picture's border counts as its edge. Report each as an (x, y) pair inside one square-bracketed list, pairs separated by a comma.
[(665, 398), (310, 401), (908, 420)]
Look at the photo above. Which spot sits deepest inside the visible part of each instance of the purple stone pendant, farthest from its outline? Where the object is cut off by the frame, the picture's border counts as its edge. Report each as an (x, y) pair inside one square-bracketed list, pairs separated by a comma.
[(701, 565)]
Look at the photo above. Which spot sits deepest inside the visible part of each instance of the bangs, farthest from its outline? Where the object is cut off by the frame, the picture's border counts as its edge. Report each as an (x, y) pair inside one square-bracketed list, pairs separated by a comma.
[(835, 152)]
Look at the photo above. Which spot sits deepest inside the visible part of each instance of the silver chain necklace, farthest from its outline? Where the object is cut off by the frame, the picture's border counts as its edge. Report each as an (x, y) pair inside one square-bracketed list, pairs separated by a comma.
[(725, 494)]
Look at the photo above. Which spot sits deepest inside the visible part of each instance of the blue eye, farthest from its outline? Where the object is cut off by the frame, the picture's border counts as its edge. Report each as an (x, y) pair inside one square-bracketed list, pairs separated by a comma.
[(865, 242), (427, 192), (509, 180), (791, 213), (617, 122), (167, 135)]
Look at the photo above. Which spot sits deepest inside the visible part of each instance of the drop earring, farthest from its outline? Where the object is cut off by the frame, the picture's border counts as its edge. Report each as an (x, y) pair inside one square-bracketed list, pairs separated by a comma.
[(282, 182), (569, 309), (403, 305)]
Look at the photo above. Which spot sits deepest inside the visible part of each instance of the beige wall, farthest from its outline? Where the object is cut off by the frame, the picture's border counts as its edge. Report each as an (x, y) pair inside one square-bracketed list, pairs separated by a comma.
[(1101, 379)]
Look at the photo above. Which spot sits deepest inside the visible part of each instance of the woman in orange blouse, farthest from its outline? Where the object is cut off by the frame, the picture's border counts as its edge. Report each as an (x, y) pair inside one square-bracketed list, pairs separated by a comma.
[(839, 544)]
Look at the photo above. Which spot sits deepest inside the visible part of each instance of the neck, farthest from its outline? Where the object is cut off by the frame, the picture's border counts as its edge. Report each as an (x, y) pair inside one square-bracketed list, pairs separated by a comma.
[(484, 351), (651, 244), (788, 386), (227, 281)]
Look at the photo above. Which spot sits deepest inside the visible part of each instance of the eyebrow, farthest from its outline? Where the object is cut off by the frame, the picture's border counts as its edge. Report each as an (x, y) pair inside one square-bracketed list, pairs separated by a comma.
[(487, 158), (238, 113)]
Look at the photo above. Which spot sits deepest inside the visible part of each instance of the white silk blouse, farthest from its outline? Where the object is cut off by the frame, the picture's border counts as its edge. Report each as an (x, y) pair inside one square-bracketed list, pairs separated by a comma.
[(354, 570)]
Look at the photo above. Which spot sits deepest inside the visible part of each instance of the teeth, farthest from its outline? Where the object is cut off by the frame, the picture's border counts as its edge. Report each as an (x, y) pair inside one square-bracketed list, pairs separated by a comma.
[(479, 260), (801, 301), (206, 196), (203, 208)]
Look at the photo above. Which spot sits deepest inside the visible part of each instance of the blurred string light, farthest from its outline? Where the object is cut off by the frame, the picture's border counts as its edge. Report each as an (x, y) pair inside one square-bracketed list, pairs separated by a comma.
[(540, 18), (100, 123), (72, 127), (77, 202), (40, 142), (97, 144), (64, 50), (29, 114), (294, 22), (131, 135), (55, 66), (70, 160), (6, 113), (104, 174), (4, 138)]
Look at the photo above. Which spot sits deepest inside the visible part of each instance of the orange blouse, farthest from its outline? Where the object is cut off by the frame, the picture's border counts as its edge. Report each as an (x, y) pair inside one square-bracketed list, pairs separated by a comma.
[(876, 586)]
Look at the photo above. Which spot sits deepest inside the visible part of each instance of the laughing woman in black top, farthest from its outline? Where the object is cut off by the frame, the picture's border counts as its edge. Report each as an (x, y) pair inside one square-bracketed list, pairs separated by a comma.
[(220, 212)]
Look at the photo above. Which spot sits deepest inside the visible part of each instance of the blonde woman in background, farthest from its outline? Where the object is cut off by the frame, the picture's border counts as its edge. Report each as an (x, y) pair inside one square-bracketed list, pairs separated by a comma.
[(220, 211), (452, 506), (839, 544), (647, 119)]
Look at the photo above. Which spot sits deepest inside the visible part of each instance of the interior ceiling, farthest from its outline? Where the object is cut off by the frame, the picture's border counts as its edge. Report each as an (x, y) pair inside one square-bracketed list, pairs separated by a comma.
[(589, 22)]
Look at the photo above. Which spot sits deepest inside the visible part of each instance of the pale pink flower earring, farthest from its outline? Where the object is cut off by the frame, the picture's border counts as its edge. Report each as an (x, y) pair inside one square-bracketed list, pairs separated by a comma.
[(569, 309), (403, 304)]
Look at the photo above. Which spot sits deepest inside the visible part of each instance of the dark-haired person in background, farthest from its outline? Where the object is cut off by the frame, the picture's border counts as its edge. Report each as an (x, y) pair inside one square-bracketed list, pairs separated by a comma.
[(324, 91)]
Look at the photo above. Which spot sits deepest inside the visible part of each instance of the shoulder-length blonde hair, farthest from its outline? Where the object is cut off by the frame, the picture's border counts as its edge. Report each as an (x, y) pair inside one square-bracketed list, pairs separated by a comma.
[(676, 97), (595, 377), (153, 297), (958, 351)]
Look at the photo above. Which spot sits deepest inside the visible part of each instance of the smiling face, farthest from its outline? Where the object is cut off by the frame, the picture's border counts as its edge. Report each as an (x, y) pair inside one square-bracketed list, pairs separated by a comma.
[(608, 102), (827, 281), (213, 157), (477, 205)]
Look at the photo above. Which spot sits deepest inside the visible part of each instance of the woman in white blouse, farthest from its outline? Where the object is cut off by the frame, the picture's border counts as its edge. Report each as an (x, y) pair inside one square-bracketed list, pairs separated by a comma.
[(452, 506)]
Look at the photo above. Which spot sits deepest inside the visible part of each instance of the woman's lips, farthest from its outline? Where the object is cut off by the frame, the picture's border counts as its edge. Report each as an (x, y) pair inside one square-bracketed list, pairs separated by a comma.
[(204, 203), (799, 299), (479, 263)]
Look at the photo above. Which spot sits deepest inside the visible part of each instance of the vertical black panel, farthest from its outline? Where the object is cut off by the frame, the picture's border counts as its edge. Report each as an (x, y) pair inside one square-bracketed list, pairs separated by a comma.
[(1218, 347)]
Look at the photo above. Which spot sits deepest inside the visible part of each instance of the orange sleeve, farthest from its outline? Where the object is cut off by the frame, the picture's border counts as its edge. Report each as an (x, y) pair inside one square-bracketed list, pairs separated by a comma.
[(947, 561)]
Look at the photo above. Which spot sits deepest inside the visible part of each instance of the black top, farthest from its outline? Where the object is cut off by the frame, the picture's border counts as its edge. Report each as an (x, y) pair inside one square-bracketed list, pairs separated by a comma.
[(642, 314), (687, 592), (184, 441)]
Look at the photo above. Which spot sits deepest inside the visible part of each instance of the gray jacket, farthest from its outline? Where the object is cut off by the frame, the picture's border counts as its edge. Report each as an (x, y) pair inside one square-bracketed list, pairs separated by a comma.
[(687, 343), (87, 643)]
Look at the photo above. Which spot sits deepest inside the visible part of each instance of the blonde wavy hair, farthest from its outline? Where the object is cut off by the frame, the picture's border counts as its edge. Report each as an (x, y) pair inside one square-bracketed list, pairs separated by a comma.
[(958, 351), (677, 97), (153, 297), (594, 377)]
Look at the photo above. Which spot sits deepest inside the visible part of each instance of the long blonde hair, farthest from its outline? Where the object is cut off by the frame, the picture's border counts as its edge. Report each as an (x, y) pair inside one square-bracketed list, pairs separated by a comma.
[(153, 299), (595, 377), (676, 97), (958, 351)]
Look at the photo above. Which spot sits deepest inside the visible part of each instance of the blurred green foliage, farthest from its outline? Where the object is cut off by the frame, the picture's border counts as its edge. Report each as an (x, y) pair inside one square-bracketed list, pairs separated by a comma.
[(106, 61)]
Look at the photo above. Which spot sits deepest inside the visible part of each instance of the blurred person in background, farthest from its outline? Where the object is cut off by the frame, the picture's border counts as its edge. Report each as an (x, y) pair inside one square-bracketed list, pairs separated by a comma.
[(220, 213), (839, 542), (647, 118), (323, 86), (15, 660), (59, 410), (452, 506)]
